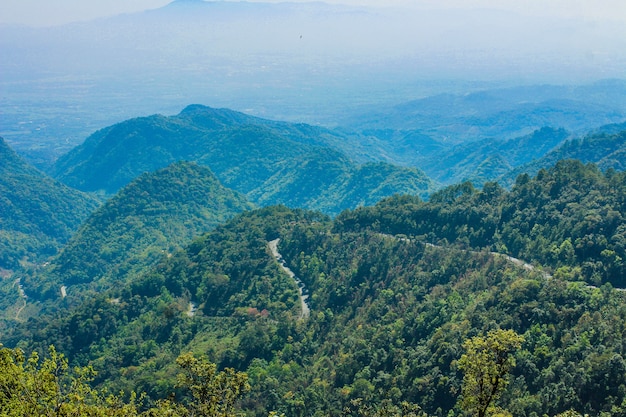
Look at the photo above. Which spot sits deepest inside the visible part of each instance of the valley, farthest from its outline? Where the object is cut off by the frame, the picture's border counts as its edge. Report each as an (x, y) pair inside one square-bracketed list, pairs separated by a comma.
[(381, 276), (401, 279), (311, 209)]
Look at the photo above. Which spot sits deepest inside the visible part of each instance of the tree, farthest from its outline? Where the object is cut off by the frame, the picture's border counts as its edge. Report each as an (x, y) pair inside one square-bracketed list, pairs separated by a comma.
[(30, 387), (486, 364), (34, 388), (214, 394)]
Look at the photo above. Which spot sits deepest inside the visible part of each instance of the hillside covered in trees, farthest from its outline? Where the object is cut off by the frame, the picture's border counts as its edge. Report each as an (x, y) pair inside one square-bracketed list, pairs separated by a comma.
[(38, 215), (156, 214), (395, 292), (269, 162), (569, 218)]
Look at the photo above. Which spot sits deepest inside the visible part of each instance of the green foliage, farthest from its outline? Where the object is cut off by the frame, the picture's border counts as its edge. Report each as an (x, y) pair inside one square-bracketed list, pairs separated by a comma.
[(153, 216), (243, 300), (567, 216), (385, 409), (394, 290), (486, 364), (606, 149), (269, 162), (488, 159), (37, 214), (30, 387), (213, 393)]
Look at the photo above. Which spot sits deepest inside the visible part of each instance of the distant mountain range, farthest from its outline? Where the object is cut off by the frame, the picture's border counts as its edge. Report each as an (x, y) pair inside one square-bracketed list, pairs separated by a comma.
[(488, 159), (312, 62), (503, 113), (270, 162), (606, 149)]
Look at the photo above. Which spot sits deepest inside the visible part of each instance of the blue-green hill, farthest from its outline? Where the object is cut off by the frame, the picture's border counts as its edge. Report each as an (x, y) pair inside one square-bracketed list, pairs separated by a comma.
[(270, 162)]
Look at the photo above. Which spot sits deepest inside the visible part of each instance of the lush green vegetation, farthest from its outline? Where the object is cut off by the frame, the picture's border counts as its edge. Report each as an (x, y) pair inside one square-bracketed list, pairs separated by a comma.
[(392, 315), (133, 333), (502, 158), (606, 148), (37, 214), (568, 218), (485, 365), (151, 217), (488, 159), (30, 387), (269, 162)]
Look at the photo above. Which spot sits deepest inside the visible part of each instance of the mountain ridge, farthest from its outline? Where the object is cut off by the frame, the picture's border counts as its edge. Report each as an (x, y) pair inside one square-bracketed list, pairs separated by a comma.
[(395, 291), (156, 213), (248, 154), (37, 214)]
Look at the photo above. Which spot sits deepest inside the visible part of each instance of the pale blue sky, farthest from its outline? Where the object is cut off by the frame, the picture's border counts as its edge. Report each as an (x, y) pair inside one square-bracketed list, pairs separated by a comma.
[(54, 12)]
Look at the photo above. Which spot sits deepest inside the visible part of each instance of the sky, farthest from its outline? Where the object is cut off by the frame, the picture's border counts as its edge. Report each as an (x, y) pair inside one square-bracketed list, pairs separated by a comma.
[(56, 12)]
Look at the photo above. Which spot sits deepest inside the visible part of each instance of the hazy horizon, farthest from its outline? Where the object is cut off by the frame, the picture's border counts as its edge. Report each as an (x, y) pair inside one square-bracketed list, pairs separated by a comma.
[(310, 63), (47, 13)]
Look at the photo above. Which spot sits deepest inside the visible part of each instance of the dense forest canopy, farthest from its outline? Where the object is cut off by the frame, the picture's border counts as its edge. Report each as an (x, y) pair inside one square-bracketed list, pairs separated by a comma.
[(156, 214), (37, 214), (395, 292), (270, 162), (569, 218), (388, 212)]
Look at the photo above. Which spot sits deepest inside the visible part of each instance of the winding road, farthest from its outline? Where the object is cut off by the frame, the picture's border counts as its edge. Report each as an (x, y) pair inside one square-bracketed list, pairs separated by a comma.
[(22, 296), (305, 310), (517, 262)]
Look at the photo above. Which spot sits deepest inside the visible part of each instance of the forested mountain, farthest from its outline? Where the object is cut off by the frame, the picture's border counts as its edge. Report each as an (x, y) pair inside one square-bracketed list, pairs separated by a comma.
[(37, 214), (607, 149), (153, 216), (237, 287), (484, 135), (488, 159), (270, 162), (569, 218), (497, 158), (394, 291)]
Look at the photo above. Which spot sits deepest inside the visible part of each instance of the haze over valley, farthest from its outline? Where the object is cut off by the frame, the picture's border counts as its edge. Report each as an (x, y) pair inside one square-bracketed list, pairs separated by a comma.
[(305, 62), (265, 208)]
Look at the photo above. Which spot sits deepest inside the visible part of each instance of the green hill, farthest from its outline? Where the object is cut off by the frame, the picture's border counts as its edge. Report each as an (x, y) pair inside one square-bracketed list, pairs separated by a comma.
[(37, 213), (486, 160), (607, 149), (149, 218), (394, 291), (259, 158), (568, 218)]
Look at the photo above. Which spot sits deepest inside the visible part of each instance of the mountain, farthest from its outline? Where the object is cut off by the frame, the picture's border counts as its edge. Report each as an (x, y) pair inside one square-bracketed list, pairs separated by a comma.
[(488, 159), (394, 292), (296, 61), (607, 149), (568, 217), (37, 214), (152, 216), (270, 162), (503, 113), (482, 135)]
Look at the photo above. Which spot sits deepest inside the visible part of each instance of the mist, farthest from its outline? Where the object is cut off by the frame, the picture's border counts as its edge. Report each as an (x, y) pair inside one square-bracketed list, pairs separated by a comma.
[(310, 62)]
